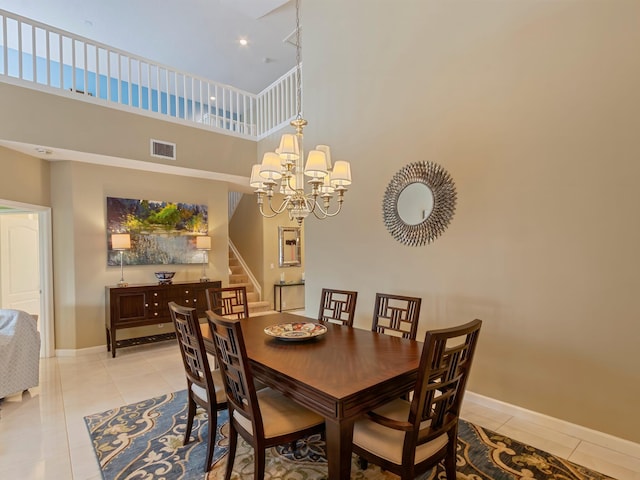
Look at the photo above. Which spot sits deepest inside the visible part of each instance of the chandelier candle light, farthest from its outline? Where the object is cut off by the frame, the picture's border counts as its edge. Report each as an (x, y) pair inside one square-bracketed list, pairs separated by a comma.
[(285, 165)]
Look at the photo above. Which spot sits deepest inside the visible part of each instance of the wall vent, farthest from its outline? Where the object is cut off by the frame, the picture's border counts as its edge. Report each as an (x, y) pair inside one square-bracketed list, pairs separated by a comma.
[(163, 149)]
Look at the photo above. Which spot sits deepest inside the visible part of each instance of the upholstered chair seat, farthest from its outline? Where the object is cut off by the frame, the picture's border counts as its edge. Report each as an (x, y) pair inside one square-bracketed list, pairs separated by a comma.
[(386, 442), (284, 416)]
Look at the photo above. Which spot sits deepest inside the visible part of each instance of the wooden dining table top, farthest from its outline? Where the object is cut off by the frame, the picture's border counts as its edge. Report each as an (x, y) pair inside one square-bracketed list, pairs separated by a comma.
[(338, 364)]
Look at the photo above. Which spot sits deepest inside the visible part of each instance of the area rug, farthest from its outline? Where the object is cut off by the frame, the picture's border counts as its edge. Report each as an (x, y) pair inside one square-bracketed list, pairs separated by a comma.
[(144, 441)]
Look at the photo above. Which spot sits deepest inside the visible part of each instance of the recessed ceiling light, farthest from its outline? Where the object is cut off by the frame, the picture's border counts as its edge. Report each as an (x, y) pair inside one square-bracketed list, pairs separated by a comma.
[(213, 99), (244, 42)]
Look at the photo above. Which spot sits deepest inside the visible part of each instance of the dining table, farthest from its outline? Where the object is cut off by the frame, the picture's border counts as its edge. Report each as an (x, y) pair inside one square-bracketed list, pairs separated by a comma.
[(340, 374)]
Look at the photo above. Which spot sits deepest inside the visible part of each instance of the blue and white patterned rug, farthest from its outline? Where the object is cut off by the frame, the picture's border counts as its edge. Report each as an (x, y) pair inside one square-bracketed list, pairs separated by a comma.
[(144, 441)]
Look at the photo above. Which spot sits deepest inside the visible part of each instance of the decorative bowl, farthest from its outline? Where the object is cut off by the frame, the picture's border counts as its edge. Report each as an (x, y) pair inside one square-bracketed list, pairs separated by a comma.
[(296, 331), (164, 277)]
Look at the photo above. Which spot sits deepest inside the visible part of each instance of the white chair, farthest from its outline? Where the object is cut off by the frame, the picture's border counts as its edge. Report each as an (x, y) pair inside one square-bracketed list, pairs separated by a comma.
[(19, 352)]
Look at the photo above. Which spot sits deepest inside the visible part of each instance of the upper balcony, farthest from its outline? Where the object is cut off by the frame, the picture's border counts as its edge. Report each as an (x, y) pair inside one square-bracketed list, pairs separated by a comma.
[(38, 56)]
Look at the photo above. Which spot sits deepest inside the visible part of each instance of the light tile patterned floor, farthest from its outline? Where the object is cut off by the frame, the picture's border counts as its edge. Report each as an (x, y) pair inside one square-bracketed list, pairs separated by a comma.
[(43, 436)]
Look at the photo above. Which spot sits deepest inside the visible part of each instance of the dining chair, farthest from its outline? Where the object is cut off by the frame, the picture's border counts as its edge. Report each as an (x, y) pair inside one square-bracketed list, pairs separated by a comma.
[(410, 437), (229, 302), (337, 306), (396, 315), (264, 418), (204, 386)]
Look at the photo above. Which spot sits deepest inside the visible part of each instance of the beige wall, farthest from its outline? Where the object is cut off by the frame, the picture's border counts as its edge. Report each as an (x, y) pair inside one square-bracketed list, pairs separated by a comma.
[(24, 179), (55, 121), (79, 194), (532, 106)]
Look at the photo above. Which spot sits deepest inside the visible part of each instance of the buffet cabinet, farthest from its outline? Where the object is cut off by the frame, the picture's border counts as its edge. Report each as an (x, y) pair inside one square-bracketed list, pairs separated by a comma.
[(142, 305)]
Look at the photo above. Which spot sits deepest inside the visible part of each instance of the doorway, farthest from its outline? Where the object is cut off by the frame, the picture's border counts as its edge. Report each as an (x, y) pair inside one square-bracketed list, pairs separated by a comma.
[(25, 265)]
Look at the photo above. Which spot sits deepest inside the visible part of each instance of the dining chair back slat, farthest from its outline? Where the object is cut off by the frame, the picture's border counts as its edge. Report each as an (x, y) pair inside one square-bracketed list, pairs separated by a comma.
[(228, 302), (396, 315), (337, 306)]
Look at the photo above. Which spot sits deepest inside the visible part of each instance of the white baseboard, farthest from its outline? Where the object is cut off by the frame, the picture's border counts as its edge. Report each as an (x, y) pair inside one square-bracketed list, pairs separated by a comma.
[(70, 352), (592, 436)]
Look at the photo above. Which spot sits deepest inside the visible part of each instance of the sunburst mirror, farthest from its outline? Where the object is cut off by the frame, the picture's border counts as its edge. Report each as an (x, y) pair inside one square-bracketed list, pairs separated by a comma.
[(419, 203)]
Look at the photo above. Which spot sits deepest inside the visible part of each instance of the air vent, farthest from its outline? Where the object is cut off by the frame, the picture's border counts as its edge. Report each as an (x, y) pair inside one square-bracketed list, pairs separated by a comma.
[(163, 149)]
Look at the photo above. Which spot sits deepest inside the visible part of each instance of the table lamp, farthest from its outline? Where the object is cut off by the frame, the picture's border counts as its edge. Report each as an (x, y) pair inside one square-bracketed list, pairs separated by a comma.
[(204, 243), (121, 242)]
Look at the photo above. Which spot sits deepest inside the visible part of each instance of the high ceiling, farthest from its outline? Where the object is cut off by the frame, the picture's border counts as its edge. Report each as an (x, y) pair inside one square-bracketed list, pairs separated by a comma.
[(196, 36)]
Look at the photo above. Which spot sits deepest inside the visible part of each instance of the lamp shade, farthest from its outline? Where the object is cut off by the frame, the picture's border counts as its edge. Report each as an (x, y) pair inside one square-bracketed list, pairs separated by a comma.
[(289, 148), (327, 153), (341, 174), (203, 242), (120, 241), (271, 166), (256, 178), (316, 164)]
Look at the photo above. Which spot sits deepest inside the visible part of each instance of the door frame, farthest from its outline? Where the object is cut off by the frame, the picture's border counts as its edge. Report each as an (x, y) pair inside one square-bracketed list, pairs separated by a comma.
[(47, 330)]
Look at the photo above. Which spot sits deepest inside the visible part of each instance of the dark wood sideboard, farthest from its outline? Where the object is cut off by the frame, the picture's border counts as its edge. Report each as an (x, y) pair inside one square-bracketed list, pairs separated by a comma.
[(141, 305)]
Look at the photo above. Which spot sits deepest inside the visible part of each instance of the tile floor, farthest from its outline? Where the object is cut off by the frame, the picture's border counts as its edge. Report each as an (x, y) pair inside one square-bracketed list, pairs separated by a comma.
[(43, 435)]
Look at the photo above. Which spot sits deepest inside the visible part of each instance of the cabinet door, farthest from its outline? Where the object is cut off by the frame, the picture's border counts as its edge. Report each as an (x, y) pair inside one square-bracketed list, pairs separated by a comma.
[(130, 307)]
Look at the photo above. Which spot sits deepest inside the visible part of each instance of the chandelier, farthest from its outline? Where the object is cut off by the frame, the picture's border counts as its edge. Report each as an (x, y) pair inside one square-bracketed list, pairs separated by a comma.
[(285, 166)]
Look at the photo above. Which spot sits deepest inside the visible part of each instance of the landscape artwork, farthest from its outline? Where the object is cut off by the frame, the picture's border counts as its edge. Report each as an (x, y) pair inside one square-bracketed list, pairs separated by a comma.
[(162, 233)]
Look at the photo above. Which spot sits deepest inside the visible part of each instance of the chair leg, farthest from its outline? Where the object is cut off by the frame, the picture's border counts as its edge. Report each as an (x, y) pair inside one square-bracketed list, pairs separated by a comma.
[(260, 463), (363, 463), (233, 443), (211, 437), (191, 413), (450, 459)]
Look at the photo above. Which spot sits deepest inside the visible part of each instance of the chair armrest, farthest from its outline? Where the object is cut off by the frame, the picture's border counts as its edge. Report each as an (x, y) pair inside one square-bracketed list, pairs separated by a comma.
[(389, 422)]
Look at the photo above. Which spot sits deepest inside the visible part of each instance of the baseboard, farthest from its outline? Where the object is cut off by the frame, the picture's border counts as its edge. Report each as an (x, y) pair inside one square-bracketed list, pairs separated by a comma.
[(71, 352), (592, 436)]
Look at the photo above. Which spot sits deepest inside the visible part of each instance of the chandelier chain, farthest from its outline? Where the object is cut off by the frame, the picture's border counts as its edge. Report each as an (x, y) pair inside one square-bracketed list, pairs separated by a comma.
[(298, 63)]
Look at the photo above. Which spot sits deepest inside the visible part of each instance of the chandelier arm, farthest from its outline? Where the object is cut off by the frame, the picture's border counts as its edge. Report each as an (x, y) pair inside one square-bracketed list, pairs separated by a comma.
[(325, 213), (281, 208)]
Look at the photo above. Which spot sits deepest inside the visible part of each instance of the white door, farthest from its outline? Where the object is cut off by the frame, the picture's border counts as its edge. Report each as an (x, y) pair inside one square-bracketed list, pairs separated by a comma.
[(20, 262)]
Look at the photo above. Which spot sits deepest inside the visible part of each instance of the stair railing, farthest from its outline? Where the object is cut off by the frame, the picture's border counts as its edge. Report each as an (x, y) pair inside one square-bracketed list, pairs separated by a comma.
[(252, 278), (56, 61)]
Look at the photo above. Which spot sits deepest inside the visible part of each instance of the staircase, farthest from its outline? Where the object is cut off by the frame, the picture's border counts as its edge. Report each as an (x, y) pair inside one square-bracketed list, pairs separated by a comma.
[(238, 277)]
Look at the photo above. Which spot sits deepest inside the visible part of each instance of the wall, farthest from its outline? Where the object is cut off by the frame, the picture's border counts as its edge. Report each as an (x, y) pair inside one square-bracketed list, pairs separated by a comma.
[(79, 194), (24, 178), (532, 107), (58, 122)]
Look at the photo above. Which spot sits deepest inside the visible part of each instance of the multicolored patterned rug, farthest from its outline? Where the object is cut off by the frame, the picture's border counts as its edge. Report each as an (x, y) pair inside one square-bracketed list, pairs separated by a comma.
[(144, 441)]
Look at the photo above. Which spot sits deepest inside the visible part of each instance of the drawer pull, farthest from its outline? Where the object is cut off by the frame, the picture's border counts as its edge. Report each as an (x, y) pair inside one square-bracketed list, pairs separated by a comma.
[(155, 314), (146, 305), (155, 304)]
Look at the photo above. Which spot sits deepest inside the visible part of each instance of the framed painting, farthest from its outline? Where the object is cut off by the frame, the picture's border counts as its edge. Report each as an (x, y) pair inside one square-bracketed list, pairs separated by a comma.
[(162, 233)]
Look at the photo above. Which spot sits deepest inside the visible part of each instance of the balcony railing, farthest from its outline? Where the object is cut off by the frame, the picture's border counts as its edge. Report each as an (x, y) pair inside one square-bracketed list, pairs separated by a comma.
[(55, 60)]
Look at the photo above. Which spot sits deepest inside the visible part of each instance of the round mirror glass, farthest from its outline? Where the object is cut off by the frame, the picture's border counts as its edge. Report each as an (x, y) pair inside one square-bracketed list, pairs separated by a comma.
[(415, 203)]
